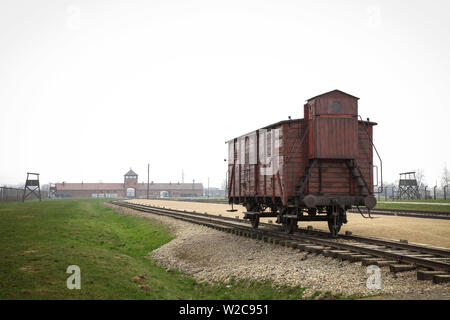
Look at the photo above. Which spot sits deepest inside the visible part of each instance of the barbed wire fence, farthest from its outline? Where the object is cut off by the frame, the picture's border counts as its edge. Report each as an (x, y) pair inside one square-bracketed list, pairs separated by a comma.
[(425, 193), (9, 194)]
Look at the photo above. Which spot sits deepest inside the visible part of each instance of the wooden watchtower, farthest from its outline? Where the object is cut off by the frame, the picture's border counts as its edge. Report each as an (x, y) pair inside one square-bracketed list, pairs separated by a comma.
[(32, 186), (407, 186)]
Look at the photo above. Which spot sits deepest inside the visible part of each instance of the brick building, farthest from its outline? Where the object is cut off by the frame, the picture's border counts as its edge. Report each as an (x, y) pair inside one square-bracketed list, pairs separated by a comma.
[(130, 188)]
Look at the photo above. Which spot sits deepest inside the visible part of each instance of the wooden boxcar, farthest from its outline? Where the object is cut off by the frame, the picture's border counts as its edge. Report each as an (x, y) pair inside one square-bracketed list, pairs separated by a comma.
[(310, 169)]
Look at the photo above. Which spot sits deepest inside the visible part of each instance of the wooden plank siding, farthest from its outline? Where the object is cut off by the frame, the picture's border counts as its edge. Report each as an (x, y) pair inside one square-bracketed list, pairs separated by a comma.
[(251, 179), (335, 138), (294, 156)]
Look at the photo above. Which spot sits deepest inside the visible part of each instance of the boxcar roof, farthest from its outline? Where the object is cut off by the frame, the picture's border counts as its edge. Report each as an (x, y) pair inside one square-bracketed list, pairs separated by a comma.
[(279, 123), (276, 124), (336, 90)]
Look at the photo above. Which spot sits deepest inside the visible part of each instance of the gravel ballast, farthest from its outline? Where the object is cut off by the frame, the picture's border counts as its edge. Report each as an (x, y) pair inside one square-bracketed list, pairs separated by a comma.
[(213, 256)]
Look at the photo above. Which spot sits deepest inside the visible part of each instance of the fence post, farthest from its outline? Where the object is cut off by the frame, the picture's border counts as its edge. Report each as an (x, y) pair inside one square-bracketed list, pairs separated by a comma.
[(7, 194)]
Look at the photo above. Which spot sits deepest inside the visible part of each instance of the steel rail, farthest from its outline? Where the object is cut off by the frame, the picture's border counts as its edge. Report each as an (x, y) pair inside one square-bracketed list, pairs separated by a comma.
[(409, 213), (398, 212), (218, 222), (444, 252)]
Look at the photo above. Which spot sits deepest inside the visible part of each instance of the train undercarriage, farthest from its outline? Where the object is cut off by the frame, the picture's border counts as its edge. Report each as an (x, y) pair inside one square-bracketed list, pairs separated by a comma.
[(330, 209)]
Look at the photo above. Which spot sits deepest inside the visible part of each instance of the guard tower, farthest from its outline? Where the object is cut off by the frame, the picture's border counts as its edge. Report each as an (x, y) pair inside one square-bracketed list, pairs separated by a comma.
[(130, 183), (52, 190), (407, 186), (32, 186)]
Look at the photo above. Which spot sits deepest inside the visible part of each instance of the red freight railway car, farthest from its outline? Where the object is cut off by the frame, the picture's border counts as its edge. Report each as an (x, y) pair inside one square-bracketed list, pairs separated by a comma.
[(310, 169)]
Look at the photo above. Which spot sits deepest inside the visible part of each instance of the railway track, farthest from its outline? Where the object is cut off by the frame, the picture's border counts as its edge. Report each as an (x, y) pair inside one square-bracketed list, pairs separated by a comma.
[(445, 215), (431, 263), (408, 213)]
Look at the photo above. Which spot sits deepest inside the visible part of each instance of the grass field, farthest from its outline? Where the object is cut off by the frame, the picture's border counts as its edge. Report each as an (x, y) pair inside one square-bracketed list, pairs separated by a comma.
[(41, 239), (410, 206), (420, 200)]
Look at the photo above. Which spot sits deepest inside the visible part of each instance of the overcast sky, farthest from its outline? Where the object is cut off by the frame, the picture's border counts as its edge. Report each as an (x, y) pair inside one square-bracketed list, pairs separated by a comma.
[(89, 89)]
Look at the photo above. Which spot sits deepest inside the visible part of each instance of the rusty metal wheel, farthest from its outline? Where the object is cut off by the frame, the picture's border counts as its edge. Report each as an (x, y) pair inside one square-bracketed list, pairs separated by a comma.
[(255, 222), (335, 223), (290, 226)]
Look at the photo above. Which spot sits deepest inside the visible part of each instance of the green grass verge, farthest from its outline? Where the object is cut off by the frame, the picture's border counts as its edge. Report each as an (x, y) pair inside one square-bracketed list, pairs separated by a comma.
[(410, 206), (41, 239), (431, 201)]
